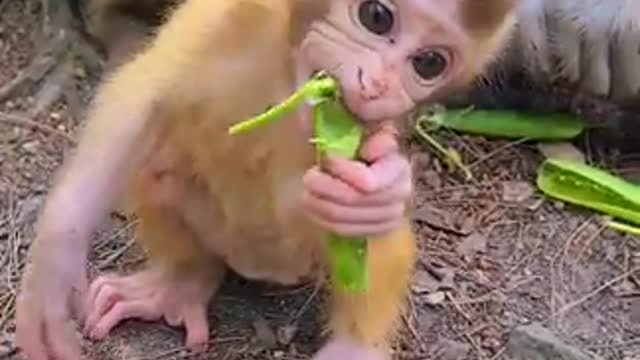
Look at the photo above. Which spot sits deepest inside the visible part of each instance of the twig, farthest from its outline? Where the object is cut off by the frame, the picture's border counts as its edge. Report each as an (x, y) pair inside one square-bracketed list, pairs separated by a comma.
[(595, 292), (113, 257), (128, 226), (52, 90), (499, 353), (558, 262), (39, 67), (408, 355), (457, 306), (17, 120), (496, 152), (7, 310), (177, 350), (469, 338), (412, 329), (307, 302), (583, 249)]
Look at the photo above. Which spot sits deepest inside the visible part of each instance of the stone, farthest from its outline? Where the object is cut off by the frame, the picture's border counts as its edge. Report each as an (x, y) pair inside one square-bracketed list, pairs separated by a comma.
[(535, 342), (452, 350)]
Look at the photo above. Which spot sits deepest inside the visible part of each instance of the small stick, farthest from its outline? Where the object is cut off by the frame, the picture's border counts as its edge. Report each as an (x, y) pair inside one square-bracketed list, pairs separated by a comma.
[(595, 292), (24, 122)]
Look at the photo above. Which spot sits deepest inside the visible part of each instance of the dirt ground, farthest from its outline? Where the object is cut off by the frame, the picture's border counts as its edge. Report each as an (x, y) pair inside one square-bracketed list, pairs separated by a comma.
[(494, 254)]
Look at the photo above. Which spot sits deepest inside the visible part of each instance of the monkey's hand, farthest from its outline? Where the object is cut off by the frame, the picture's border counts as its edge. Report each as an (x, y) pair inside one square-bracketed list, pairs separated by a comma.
[(338, 349), (356, 199), (52, 295), (592, 44)]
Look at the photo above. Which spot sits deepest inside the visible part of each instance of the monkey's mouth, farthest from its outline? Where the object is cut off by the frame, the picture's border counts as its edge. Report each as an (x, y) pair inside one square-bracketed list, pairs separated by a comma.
[(339, 94)]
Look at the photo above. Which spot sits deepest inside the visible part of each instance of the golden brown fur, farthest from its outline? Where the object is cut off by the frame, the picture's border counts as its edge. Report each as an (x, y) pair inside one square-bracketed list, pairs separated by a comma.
[(196, 173), (208, 201)]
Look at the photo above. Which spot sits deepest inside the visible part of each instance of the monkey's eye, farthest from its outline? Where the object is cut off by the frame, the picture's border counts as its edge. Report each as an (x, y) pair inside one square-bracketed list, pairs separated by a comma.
[(375, 17), (429, 64)]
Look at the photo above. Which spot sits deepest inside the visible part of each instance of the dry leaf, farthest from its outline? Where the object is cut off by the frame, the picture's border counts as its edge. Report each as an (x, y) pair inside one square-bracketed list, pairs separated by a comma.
[(561, 150), (517, 191), (435, 298), (264, 333), (474, 243), (286, 334)]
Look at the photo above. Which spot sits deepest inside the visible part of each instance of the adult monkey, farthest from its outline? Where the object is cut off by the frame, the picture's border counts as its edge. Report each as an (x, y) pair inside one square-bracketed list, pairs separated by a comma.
[(594, 45)]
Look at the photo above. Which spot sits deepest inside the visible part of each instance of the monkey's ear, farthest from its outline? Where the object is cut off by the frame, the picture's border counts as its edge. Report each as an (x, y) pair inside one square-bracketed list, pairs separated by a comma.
[(303, 13), (485, 16)]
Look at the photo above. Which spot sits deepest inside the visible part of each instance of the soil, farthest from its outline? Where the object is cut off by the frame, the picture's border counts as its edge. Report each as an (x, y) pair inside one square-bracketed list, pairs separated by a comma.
[(494, 253)]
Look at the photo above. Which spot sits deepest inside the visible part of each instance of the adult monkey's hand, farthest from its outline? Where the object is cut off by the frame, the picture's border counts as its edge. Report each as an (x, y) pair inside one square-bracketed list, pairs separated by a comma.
[(594, 44)]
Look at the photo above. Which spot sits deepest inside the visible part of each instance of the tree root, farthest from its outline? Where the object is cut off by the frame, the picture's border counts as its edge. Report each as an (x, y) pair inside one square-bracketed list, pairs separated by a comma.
[(63, 48), (18, 120)]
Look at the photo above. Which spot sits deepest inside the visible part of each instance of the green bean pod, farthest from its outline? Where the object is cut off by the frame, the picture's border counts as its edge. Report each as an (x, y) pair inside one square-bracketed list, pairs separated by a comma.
[(337, 132), (590, 187), (509, 124)]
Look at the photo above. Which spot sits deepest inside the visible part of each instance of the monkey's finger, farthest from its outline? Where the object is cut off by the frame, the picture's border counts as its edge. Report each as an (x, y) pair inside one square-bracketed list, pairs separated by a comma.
[(324, 186), (60, 330), (98, 289), (63, 341), (368, 179), (29, 331), (357, 229), (398, 192), (121, 311), (197, 327), (328, 187), (626, 65), (104, 301), (331, 212), (332, 190), (379, 144)]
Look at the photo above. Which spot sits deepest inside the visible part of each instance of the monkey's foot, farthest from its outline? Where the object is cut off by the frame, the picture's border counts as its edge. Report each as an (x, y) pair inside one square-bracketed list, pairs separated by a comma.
[(151, 295)]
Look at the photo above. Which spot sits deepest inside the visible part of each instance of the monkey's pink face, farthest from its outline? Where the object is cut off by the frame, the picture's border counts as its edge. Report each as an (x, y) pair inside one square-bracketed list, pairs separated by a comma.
[(388, 55)]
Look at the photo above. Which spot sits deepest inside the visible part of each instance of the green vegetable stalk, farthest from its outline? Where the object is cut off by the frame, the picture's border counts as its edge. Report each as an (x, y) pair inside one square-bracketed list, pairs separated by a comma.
[(593, 188), (334, 131)]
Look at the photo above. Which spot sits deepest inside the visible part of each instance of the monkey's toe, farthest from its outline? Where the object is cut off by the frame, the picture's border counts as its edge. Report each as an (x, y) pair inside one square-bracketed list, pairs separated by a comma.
[(150, 297)]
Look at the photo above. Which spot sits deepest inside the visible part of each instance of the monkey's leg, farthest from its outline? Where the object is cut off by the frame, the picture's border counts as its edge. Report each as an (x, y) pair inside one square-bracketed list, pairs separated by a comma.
[(363, 322), (178, 284)]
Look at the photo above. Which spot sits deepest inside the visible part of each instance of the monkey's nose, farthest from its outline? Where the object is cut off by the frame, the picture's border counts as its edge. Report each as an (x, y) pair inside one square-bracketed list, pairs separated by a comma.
[(371, 87)]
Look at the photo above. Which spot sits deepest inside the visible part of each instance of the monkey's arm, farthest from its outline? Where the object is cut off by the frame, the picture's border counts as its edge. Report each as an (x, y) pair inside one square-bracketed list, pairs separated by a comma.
[(116, 138), (177, 70), (593, 44)]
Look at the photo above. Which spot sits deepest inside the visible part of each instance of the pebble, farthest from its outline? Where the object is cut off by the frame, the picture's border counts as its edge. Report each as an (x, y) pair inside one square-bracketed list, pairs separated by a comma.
[(535, 342)]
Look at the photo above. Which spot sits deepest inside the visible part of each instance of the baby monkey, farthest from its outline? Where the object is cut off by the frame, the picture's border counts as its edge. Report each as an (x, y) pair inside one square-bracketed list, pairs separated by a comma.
[(254, 203)]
